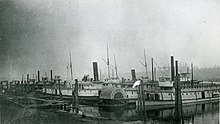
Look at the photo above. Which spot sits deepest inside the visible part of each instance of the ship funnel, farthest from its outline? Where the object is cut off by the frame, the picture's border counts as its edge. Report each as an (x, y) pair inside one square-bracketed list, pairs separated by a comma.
[(38, 76), (172, 68), (28, 78), (133, 74), (95, 71), (51, 75)]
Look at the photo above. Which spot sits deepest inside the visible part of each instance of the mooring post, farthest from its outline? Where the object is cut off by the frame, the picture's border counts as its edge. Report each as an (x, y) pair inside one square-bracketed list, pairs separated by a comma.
[(28, 83), (22, 84), (55, 86), (1, 86), (33, 81), (25, 86), (140, 100), (7, 87), (143, 99), (73, 100), (178, 97), (76, 96), (34, 84), (60, 93), (45, 86), (19, 86), (176, 94)]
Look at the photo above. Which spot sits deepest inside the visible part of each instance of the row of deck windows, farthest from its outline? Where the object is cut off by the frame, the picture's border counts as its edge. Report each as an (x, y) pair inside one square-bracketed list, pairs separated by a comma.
[(84, 90), (199, 87), (190, 93), (195, 93)]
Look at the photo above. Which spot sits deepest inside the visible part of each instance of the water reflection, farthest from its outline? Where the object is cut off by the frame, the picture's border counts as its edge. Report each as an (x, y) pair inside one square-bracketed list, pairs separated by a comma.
[(196, 114), (12, 114), (200, 113)]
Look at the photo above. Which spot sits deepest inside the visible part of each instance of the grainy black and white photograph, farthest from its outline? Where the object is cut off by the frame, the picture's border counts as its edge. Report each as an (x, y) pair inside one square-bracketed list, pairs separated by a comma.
[(109, 61)]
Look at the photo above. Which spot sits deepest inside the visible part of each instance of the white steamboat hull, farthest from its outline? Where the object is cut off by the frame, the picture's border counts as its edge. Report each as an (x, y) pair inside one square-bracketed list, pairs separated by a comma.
[(152, 105)]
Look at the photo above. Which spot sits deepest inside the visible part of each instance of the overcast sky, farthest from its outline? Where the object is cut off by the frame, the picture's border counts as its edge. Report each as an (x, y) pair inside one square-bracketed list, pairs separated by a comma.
[(37, 34)]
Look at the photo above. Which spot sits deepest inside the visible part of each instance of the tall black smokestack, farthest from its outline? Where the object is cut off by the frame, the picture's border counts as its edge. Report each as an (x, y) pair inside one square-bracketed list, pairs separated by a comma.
[(28, 78), (51, 75), (38, 76), (177, 68), (172, 68), (133, 74), (152, 65), (95, 71)]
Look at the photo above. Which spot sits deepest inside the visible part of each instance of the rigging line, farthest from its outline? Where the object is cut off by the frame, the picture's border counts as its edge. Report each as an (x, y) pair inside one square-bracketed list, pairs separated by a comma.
[(205, 76), (163, 73), (180, 69), (74, 72)]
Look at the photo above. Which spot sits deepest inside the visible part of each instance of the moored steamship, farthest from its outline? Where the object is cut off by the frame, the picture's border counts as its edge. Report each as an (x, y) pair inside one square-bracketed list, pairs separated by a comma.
[(157, 94), (192, 91)]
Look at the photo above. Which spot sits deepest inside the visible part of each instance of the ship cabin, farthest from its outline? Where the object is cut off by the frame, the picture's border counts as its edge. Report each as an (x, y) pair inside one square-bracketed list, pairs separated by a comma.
[(4, 86), (185, 77), (90, 85), (165, 84), (112, 82)]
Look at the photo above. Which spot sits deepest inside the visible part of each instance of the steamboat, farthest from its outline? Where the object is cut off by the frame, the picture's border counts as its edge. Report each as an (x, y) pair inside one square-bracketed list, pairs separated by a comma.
[(156, 94)]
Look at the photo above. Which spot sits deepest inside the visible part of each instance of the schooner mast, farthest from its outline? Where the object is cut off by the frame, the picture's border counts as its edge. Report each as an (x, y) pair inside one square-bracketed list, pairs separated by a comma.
[(71, 67), (116, 69), (107, 62), (145, 63)]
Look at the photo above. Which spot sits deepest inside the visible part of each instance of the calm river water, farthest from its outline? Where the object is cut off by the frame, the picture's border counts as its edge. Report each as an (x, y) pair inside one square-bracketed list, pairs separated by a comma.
[(197, 114)]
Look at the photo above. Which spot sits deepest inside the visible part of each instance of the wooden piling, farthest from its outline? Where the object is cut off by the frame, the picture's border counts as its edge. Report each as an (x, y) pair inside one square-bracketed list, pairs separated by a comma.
[(1, 86), (138, 101), (45, 85), (22, 84), (60, 93), (7, 86), (73, 100), (55, 85), (76, 96), (28, 83), (178, 96), (143, 100)]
